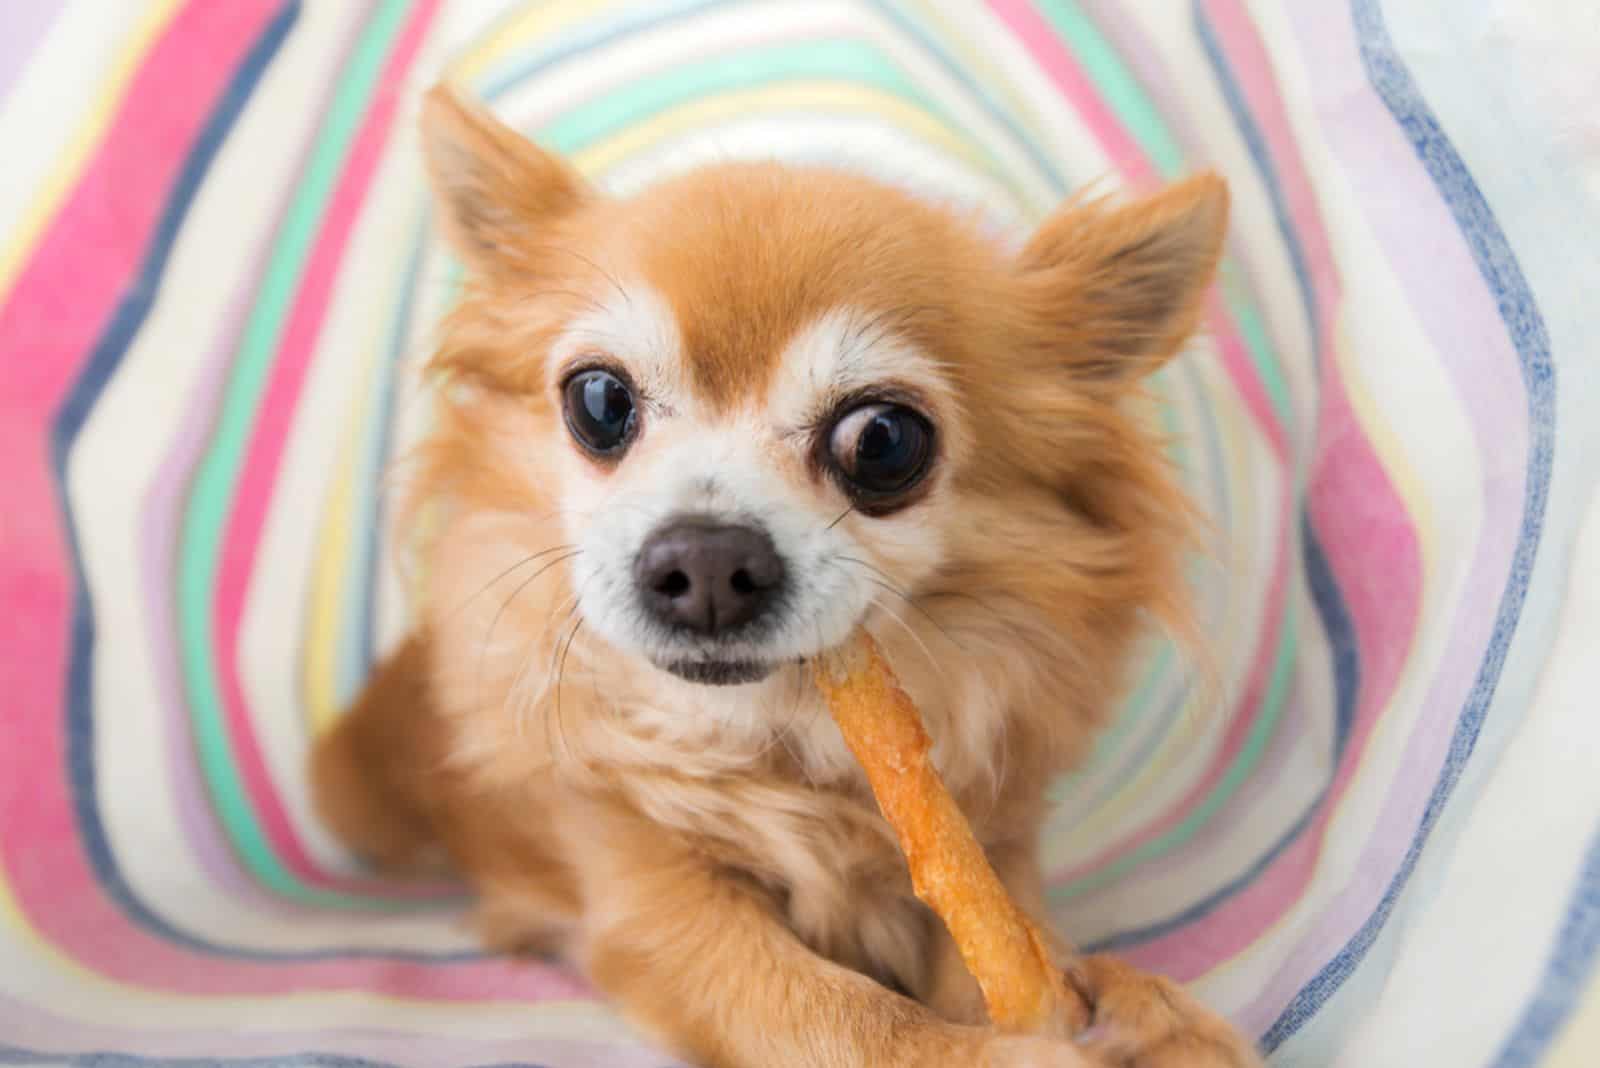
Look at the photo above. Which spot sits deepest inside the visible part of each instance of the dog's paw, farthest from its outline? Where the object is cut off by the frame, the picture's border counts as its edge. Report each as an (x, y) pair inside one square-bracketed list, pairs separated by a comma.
[(1144, 1021), (1029, 1051)]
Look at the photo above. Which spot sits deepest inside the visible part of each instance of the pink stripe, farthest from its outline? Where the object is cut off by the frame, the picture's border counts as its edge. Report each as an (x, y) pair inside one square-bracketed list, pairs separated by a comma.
[(1040, 39), (162, 511), (37, 1029), (1234, 356), (1058, 63), (254, 491), (52, 319), (1303, 724), (1374, 540), (1443, 286), (1240, 721), (1346, 471), (50, 322)]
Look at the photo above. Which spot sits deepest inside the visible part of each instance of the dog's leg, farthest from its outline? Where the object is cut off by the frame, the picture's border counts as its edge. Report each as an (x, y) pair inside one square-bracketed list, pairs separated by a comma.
[(700, 958), (368, 772)]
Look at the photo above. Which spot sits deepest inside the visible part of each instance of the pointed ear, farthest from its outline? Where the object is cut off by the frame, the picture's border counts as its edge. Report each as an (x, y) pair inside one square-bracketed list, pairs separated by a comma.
[(1117, 289), (495, 189)]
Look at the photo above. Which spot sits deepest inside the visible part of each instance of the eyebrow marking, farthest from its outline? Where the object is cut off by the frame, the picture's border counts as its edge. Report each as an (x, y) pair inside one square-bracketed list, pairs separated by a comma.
[(632, 330), (849, 355)]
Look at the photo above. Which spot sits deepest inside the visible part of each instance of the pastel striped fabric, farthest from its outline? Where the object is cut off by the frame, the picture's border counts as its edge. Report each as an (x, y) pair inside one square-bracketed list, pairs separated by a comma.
[(217, 276)]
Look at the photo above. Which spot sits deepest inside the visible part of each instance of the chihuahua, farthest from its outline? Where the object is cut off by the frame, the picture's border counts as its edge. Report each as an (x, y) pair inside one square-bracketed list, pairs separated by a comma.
[(686, 441)]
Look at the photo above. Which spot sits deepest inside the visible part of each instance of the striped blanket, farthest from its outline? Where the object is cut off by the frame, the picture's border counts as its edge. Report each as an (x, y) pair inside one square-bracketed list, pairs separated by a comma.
[(217, 275)]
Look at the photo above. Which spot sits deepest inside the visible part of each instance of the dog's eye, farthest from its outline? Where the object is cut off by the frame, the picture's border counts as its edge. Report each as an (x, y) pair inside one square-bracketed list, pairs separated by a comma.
[(882, 450), (600, 411)]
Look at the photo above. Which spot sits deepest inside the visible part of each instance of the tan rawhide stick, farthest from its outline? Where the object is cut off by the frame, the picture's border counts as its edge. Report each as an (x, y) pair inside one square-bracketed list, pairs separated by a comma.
[(1004, 951)]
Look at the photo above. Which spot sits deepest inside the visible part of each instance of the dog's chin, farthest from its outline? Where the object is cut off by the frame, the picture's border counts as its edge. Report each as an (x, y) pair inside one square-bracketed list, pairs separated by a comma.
[(720, 672)]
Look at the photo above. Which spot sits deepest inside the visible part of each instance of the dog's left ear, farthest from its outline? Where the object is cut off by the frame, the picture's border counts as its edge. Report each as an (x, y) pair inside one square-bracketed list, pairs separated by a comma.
[(497, 192), (1115, 291)]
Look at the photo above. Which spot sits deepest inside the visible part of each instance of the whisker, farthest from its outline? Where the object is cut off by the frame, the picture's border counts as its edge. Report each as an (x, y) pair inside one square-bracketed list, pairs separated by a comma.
[(565, 609), (487, 586), (926, 652), (587, 300), (560, 675), (488, 638), (934, 595), (781, 734), (607, 275), (555, 656), (887, 583)]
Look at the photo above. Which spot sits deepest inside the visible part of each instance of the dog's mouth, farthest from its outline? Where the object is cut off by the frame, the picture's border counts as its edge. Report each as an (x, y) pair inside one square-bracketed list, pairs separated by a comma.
[(720, 672)]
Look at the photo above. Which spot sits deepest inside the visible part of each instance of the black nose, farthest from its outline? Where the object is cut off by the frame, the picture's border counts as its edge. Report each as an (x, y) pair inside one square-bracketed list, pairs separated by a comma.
[(708, 577)]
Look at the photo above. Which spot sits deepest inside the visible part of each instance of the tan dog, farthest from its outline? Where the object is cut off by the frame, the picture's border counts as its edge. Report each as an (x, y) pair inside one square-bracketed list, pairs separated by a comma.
[(687, 441)]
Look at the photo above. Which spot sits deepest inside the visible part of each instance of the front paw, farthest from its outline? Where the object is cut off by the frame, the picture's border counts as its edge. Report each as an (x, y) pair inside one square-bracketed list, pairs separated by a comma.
[(1145, 1021)]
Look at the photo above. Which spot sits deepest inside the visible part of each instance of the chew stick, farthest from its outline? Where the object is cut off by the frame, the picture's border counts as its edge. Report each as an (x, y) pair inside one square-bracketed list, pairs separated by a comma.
[(1004, 951)]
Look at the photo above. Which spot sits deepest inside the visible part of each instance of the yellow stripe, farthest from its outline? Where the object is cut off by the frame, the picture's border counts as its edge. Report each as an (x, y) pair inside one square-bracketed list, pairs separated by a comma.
[(980, 66), (333, 561), (1079, 838), (791, 96), (1401, 475), (530, 23), (75, 157), (331, 575)]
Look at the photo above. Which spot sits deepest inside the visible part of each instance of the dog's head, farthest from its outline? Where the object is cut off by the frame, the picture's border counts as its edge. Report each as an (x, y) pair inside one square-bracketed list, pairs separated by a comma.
[(765, 401)]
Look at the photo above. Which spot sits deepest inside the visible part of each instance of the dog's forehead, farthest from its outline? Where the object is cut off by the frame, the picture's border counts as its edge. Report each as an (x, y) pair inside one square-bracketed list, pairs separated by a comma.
[(750, 261)]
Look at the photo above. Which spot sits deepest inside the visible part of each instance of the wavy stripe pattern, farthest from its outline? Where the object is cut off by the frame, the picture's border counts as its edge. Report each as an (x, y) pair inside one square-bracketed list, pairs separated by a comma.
[(213, 299)]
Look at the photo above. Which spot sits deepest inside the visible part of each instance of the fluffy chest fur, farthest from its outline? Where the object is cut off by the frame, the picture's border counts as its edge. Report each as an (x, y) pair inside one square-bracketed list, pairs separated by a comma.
[(687, 441), (754, 779)]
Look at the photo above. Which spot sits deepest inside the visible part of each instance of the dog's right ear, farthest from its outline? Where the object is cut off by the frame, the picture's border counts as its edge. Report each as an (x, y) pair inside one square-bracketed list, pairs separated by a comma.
[(496, 190)]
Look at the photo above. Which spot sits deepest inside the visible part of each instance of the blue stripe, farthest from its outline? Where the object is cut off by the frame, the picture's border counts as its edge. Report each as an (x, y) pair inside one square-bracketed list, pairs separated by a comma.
[(354, 664), (1347, 683), (1501, 272), (1572, 966), (109, 350), (1337, 624), (996, 111), (1256, 143)]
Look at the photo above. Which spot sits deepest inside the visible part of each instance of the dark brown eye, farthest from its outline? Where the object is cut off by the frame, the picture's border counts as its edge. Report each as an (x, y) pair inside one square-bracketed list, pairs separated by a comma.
[(881, 450), (600, 411)]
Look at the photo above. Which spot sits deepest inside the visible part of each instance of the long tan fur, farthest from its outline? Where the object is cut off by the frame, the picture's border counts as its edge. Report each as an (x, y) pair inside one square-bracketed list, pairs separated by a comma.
[(720, 868)]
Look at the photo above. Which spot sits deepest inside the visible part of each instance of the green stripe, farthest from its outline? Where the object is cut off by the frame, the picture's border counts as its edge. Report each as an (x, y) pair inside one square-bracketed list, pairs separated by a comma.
[(377, 441), (1247, 317), (1134, 709), (1135, 110), (1138, 114), (210, 499), (1115, 83), (844, 61), (1250, 754), (840, 60)]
